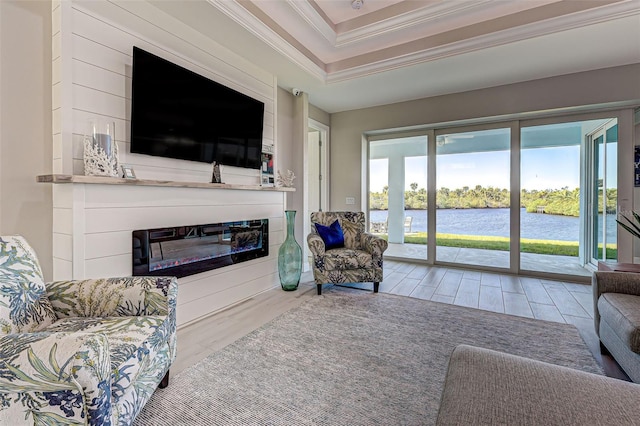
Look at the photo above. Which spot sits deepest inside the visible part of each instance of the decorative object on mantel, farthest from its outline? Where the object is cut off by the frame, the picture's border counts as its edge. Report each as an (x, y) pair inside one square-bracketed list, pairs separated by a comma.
[(266, 171), (290, 256), (216, 177), (286, 180), (101, 150), (127, 172)]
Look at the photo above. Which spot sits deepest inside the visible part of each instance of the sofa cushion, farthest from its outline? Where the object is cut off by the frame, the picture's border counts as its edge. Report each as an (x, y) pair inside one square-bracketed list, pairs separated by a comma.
[(352, 224), (343, 259), (622, 313), (24, 305), (485, 387), (331, 235)]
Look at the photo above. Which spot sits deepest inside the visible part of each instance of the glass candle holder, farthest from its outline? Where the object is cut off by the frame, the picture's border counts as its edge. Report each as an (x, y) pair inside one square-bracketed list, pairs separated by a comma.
[(101, 149)]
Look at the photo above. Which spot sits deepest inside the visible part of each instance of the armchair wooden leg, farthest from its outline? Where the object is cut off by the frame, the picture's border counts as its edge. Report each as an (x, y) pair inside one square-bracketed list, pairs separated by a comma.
[(319, 289), (165, 381), (375, 287)]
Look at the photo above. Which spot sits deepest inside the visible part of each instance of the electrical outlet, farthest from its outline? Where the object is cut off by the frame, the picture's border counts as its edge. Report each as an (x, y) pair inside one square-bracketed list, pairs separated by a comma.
[(351, 200)]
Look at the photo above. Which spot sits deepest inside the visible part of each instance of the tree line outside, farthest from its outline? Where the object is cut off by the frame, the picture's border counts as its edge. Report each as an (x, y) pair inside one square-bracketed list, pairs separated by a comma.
[(562, 201)]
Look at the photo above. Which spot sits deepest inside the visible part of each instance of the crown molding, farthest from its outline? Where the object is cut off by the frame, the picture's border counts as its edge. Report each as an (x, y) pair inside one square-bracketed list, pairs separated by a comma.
[(311, 16), (263, 32), (255, 26), (406, 20), (390, 25), (537, 29)]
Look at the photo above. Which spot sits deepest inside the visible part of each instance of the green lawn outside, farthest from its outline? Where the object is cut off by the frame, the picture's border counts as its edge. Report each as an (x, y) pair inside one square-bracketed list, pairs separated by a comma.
[(554, 247)]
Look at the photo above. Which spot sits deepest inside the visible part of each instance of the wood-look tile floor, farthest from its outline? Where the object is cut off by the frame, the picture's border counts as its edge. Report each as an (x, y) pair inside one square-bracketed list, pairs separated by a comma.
[(542, 299), (522, 296)]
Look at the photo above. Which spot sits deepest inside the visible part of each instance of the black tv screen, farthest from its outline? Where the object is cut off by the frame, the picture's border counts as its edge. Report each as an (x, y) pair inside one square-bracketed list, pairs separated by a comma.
[(178, 113)]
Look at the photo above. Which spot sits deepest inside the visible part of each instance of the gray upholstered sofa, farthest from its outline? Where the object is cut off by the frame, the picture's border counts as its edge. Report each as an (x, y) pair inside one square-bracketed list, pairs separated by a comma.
[(616, 297), (485, 387)]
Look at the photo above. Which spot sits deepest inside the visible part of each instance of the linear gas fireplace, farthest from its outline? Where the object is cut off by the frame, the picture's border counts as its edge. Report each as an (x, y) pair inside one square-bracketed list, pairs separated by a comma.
[(188, 250)]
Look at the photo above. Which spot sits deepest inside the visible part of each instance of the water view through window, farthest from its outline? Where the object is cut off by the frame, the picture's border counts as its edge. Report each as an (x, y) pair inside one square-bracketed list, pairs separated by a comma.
[(568, 196)]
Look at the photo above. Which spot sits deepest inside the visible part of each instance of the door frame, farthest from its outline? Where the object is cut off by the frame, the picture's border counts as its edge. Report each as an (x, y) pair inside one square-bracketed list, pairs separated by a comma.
[(324, 132), (591, 202)]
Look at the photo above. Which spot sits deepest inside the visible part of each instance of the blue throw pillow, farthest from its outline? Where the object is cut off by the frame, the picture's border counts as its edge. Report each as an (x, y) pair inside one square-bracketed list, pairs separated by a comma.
[(332, 235)]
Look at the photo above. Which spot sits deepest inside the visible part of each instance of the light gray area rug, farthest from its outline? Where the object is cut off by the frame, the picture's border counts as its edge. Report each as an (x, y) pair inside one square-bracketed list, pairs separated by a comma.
[(350, 357)]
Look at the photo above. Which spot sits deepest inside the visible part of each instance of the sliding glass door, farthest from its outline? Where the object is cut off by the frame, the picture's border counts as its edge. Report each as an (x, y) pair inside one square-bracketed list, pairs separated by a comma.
[(534, 195), (568, 196), (602, 150), (473, 197), (398, 194), (550, 176)]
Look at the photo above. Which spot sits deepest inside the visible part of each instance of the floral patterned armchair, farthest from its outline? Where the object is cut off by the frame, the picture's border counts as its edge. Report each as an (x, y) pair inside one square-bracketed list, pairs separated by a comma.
[(360, 260), (87, 352)]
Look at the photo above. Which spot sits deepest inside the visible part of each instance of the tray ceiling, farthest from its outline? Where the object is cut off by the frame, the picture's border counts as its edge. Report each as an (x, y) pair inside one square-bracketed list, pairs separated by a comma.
[(395, 50)]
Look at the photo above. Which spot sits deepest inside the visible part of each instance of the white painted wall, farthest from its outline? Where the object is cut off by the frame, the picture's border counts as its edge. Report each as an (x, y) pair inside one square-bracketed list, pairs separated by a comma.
[(294, 113), (25, 123), (92, 223)]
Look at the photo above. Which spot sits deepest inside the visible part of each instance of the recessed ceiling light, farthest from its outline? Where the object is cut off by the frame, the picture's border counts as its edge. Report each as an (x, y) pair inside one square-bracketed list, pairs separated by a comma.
[(357, 4)]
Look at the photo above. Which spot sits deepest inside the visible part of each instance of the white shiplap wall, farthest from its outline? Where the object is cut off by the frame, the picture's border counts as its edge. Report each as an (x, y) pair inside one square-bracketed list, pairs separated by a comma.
[(92, 57), (92, 79)]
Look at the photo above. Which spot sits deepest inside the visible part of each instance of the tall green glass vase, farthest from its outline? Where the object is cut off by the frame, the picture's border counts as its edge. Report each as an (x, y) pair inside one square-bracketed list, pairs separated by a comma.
[(290, 256)]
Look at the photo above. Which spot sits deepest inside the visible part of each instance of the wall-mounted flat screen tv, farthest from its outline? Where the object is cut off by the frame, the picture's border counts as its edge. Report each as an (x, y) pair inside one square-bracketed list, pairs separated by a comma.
[(178, 113)]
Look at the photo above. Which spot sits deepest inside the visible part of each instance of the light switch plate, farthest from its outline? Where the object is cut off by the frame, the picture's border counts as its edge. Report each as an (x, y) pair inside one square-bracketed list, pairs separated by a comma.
[(351, 200)]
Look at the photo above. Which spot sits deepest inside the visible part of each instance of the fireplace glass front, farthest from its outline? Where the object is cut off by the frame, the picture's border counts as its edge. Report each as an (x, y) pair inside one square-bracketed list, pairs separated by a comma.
[(187, 250)]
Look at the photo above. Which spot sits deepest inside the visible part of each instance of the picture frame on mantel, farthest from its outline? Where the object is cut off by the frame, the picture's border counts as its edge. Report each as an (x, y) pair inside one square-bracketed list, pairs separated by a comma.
[(127, 172)]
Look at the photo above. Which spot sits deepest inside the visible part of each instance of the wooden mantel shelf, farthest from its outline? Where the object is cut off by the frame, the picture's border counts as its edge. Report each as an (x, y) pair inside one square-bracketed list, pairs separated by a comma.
[(104, 180)]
